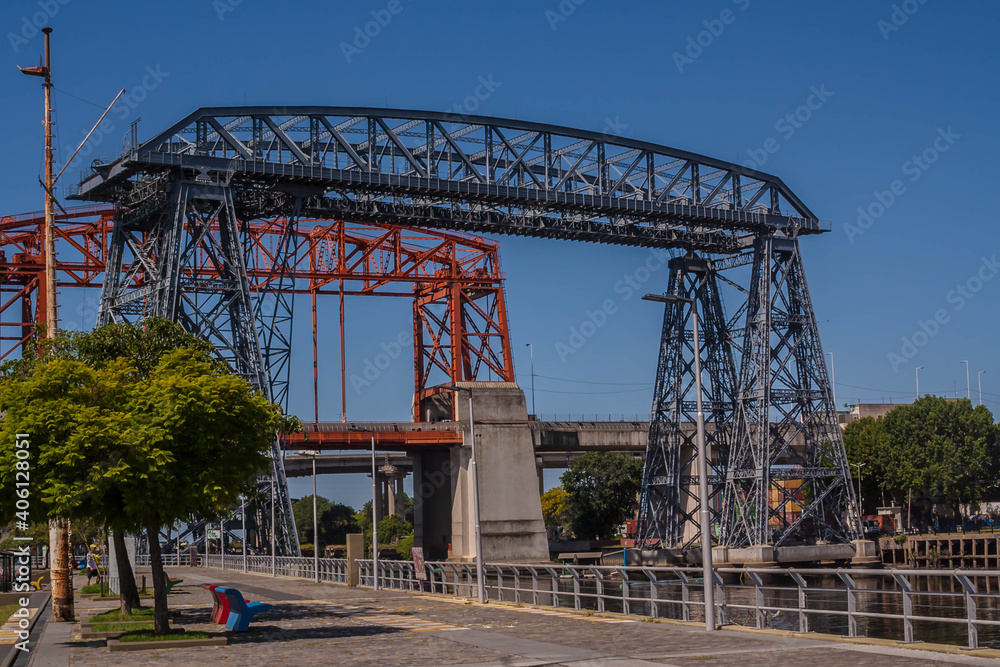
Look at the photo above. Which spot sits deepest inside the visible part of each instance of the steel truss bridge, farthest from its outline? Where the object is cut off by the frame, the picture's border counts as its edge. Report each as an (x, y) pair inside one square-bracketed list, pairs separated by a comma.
[(211, 226)]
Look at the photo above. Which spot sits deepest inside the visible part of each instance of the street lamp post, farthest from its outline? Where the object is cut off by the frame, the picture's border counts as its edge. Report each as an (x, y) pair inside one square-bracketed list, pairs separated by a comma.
[(917, 373), (274, 530), (968, 385), (861, 500), (979, 376), (532, 350), (833, 381), (704, 513), (243, 519), (474, 472), (316, 525), (374, 507)]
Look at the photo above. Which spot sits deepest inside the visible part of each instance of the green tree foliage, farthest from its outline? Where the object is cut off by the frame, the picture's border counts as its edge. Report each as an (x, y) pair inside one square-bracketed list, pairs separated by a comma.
[(335, 521), (866, 443), (555, 507), (603, 489), (404, 547), (135, 428), (946, 452), (392, 528)]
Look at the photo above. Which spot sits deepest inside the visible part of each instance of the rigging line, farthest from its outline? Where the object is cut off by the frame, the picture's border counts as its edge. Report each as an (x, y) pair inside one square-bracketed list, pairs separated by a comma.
[(77, 98), (619, 384), (910, 392), (592, 393)]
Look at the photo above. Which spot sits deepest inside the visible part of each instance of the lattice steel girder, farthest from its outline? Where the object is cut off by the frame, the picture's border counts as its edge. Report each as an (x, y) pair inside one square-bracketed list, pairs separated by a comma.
[(669, 505), (788, 478), (156, 261), (369, 259), (474, 173), (460, 334)]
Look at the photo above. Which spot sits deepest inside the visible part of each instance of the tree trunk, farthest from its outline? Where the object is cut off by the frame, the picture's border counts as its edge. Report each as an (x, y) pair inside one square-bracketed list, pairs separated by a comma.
[(60, 572), (161, 616), (129, 592)]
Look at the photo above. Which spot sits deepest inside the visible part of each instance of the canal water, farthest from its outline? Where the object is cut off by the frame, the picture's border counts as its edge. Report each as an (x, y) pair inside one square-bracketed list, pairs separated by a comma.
[(876, 594)]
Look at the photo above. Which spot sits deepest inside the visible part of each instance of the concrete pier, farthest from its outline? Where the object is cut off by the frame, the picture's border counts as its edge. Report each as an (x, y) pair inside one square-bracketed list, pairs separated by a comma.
[(510, 508)]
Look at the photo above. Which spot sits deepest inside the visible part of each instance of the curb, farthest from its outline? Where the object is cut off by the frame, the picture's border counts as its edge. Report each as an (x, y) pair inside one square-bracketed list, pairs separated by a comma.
[(13, 653), (115, 646)]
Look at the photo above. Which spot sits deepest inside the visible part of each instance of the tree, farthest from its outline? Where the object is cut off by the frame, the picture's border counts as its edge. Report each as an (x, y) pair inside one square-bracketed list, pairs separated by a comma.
[(602, 488), (942, 451), (392, 528), (555, 510), (867, 443), (338, 521), (335, 521), (302, 510), (137, 441)]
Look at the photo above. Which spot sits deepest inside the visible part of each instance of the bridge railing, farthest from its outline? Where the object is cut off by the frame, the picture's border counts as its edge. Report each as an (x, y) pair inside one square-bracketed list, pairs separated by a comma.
[(944, 606)]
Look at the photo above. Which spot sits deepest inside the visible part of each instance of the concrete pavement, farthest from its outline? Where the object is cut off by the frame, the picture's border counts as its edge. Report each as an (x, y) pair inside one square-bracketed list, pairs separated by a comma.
[(330, 624)]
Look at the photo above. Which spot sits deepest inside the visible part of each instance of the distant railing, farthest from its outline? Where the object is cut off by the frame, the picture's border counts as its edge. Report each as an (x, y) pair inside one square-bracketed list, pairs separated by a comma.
[(944, 606), (591, 417)]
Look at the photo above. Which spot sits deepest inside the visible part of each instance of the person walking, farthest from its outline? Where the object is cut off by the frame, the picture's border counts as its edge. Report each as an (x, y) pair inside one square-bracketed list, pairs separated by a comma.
[(92, 570)]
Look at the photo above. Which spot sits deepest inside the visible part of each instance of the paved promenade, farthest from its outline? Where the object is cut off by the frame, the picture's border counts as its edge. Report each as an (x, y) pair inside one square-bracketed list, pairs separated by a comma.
[(330, 624)]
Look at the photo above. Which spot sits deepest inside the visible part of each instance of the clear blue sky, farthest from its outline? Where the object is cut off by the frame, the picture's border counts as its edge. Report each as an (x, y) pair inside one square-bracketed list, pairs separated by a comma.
[(890, 94)]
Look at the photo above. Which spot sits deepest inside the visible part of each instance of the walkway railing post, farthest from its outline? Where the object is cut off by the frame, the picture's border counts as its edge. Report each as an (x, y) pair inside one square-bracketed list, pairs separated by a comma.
[(852, 603), (907, 592), (970, 610), (803, 616)]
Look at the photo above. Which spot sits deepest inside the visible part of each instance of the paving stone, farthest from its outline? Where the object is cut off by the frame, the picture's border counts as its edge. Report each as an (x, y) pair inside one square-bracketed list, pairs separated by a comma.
[(330, 624)]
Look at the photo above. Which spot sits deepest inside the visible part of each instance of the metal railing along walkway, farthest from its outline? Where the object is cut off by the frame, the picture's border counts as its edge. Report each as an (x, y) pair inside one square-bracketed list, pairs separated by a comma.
[(942, 606)]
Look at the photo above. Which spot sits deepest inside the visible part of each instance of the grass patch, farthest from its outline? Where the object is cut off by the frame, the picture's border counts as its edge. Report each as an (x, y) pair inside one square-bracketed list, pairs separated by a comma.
[(95, 589), (7, 610), (150, 636), (138, 614), (120, 627)]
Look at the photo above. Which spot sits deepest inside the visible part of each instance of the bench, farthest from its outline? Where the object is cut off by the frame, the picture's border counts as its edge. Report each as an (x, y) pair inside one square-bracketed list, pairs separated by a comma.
[(241, 612), (220, 606), (170, 582)]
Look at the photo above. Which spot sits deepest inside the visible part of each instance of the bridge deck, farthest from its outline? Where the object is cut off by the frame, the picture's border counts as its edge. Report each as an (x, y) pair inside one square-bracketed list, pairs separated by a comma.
[(549, 437)]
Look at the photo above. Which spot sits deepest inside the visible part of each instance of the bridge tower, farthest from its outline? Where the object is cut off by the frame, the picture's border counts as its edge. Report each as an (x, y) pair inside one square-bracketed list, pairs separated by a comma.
[(670, 505), (176, 253), (787, 479)]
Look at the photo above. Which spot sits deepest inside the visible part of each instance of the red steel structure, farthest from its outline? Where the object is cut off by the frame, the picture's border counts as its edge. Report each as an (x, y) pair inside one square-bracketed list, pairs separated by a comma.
[(460, 328)]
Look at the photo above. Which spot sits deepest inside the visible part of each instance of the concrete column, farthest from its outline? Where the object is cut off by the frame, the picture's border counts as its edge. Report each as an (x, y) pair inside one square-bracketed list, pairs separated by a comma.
[(433, 489), (384, 491), (511, 512), (355, 550), (378, 511), (398, 497)]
